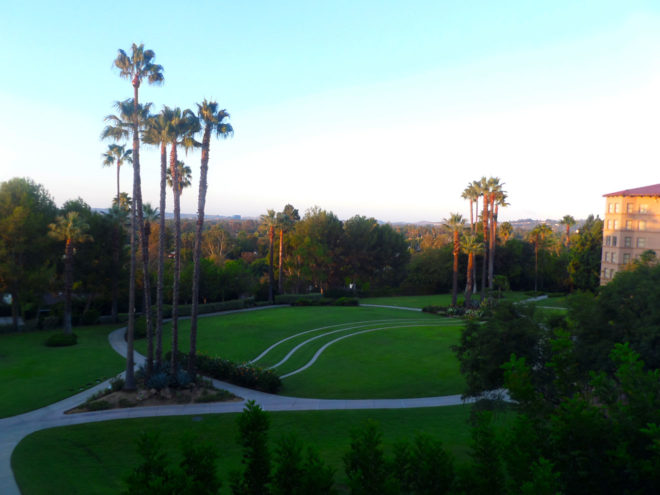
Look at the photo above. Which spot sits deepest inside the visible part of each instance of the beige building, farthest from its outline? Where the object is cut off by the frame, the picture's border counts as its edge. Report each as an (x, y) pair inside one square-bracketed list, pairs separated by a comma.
[(631, 226)]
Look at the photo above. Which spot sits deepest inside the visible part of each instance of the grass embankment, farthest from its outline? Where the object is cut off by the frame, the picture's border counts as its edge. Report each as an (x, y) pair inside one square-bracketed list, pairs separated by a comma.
[(103, 453), (33, 375), (414, 360), (433, 300)]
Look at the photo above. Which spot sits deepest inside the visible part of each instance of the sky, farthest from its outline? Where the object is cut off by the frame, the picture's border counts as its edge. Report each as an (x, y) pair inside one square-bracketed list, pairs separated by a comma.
[(379, 108)]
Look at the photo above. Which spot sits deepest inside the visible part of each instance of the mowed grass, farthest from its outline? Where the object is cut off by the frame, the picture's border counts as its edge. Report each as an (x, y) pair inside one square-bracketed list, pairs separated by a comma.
[(33, 375), (413, 361), (436, 299), (103, 453)]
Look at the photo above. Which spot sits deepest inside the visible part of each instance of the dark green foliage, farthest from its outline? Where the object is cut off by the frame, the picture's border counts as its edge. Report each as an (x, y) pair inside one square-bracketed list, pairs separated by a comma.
[(294, 298), (98, 405), (423, 467), (585, 255), (294, 475), (253, 426), (487, 470), (61, 340), (430, 271), (90, 317), (198, 474), (365, 462), (434, 309), (153, 474), (116, 384)]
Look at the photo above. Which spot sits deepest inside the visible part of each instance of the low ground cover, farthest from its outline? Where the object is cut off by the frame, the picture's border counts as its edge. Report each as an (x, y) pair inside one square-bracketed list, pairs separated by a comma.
[(104, 452), (33, 375), (435, 300)]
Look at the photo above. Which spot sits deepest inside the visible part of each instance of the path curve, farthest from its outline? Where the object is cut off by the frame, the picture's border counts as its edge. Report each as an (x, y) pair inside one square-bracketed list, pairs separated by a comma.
[(15, 428)]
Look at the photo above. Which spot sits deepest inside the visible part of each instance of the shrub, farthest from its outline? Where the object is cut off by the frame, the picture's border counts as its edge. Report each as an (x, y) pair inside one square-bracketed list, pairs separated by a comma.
[(127, 403), (51, 322), (294, 298), (116, 384), (219, 395), (90, 317), (434, 309), (99, 405), (61, 340), (159, 380), (347, 301)]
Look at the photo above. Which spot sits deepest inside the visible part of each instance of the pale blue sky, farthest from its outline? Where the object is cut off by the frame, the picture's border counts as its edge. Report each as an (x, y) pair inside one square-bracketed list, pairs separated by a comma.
[(386, 109)]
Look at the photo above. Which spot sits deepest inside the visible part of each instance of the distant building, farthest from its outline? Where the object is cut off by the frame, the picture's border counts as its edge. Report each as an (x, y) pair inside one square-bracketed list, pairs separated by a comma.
[(631, 226)]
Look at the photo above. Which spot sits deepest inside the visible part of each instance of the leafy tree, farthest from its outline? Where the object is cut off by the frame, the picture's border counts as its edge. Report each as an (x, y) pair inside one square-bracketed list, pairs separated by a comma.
[(198, 475), (214, 122), (365, 462), (488, 473), (295, 475), (117, 218), (585, 255), (253, 424), (153, 475), (72, 230), (423, 467), (269, 222), (26, 210), (568, 221), (286, 220), (539, 236)]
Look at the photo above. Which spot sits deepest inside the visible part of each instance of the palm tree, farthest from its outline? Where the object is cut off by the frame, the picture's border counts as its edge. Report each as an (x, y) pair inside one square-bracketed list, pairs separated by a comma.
[(124, 202), (537, 236), (214, 123), (471, 193), (569, 221), (157, 133), (185, 176), (497, 198), (506, 231), (72, 230), (269, 222), (484, 191), (471, 246), (285, 221), (180, 129), (119, 127), (150, 215), (455, 225), (116, 155)]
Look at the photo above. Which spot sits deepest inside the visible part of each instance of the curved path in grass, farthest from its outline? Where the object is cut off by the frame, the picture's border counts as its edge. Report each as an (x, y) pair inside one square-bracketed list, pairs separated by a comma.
[(15, 428)]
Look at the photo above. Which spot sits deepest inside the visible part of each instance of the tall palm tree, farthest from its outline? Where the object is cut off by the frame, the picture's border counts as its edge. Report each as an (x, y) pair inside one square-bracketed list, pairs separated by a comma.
[(119, 127), (496, 198), (471, 246), (484, 191), (537, 236), (180, 130), (124, 203), (455, 224), (72, 230), (471, 193), (506, 231), (568, 221), (157, 134), (150, 214), (269, 222), (214, 122), (116, 155)]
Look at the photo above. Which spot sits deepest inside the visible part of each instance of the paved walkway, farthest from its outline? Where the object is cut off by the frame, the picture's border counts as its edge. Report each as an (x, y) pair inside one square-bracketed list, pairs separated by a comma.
[(15, 428)]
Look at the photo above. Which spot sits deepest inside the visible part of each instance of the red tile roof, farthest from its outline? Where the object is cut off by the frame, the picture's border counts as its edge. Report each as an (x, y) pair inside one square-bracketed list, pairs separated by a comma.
[(653, 190)]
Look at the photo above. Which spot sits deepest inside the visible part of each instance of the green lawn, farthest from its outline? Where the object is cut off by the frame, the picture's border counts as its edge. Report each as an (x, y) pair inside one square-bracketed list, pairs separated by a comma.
[(413, 361), (437, 299), (33, 375), (103, 453)]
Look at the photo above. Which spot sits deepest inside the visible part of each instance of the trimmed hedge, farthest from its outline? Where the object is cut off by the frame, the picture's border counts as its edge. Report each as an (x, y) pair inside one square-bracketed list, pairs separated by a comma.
[(294, 298), (243, 374), (435, 309), (61, 340)]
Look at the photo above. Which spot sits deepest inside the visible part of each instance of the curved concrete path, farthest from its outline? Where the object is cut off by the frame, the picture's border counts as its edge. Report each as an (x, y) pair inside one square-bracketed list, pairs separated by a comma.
[(15, 428)]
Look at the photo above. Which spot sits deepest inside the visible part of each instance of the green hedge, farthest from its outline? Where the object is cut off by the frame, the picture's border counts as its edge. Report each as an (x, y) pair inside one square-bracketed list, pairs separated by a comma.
[(61, 340), (245, 375), (294, 298)]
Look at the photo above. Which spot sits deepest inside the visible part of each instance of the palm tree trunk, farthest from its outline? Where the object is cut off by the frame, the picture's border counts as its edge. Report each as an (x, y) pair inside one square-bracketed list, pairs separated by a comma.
[(484, 215), (491, 241), (197, 251), (161, 255), (118, 193), (454, 284), (271, 279), (68, 284), (536, 266), (116, 269), (280, 278), (468, 290), (177, 258)]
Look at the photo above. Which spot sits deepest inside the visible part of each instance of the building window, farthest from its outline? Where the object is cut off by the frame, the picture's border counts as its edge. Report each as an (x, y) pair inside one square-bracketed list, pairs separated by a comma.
[(609, 225), (626, 258), (627, 242), (629, 208), (608, 240), (617, 207), (610, 208), (613, 257), (613, 241), (643, 208), (629, 225), (641, 242), (642, 225), (616, 225)]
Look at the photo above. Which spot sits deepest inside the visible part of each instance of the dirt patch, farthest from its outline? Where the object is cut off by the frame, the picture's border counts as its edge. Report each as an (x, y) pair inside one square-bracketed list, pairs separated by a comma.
[(146, 398)]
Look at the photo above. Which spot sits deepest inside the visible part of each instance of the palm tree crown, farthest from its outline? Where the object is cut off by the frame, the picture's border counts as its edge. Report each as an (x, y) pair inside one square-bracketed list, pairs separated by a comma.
[(116, 155), (139, 66)]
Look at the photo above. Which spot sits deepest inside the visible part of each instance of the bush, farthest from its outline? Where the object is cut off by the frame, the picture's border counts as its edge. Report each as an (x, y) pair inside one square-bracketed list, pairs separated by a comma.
[(159, 380), (116, 384), (347, 301), (99, 405), (294, 298), (61, 340), (434, 309)]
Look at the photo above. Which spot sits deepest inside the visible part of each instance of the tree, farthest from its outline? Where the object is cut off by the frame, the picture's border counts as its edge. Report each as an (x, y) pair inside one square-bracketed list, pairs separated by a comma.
[(586, 254), (213, 120), (116, 155), (185, 176), (568, 221), (538, 237), (26, 209), (157, 134), (268, 223), (455, 224), (150, 215), (72, 230), (506, 231), (182, 125), (498, 198), (118, 217), (253, 424), (471, 246), (286, 219)]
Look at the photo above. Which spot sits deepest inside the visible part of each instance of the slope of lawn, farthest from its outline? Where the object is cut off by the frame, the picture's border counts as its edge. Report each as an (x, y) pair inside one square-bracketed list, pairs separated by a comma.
[(103, 453), (414, 360), (33, 375)]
